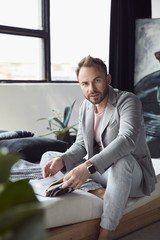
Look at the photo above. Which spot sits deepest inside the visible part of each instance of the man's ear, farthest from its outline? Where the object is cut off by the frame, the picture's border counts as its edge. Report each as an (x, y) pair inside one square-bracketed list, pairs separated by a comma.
[(109, 78)]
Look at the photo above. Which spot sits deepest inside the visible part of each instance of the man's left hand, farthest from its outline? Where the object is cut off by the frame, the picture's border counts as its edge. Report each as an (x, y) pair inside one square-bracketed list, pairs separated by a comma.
[(76, 177)]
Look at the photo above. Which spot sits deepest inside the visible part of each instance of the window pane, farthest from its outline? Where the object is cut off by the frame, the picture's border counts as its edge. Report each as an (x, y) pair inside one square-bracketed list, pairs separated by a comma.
[(21, 13), (78, 28), (20, 58)]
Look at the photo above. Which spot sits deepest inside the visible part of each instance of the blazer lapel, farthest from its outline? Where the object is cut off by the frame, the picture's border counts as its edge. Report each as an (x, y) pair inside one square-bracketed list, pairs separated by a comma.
[(90, 130), (109, 109)]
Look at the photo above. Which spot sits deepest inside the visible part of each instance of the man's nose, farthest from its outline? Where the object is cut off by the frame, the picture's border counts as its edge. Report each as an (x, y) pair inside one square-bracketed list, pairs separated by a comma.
[(91, 87)]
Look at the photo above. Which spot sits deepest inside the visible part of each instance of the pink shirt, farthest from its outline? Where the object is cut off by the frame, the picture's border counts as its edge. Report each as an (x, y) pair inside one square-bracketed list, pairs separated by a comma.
[(97, 127)]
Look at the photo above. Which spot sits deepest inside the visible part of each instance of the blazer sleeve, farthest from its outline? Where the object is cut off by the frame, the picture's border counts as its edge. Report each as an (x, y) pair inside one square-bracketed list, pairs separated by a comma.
[(75, 154)]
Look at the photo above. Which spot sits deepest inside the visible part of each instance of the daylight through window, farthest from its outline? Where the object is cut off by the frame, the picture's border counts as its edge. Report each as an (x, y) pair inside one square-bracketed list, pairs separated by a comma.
[(43, 40)]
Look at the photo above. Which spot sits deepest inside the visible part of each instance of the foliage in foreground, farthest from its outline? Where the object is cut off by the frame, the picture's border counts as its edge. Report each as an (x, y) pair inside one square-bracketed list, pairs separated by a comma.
[(21, 214)]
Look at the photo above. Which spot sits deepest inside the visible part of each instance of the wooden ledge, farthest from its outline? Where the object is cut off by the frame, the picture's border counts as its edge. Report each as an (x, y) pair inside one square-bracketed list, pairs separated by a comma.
[(89, 230)]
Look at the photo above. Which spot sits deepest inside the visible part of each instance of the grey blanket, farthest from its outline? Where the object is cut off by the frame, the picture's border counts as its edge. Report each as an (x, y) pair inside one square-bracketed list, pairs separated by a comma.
[(15, 134), (25, 170)]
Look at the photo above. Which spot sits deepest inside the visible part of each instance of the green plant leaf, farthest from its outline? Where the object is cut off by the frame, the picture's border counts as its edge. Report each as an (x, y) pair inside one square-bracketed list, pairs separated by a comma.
[(47, 134), (33, 226), (23, 221), (50, 122), (39, 119), (16, 193), (60, 123), (63, 132), (6, 162), (21, 214), (67, 114), (59, 127), (74, 125), (74, 130)]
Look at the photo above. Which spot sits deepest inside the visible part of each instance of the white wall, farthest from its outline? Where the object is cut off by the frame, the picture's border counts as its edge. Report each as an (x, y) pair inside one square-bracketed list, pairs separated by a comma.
[(22, 104)]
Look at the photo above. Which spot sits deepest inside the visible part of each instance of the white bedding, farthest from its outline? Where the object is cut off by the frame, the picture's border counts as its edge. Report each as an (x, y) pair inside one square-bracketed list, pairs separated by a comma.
[(81, 206)]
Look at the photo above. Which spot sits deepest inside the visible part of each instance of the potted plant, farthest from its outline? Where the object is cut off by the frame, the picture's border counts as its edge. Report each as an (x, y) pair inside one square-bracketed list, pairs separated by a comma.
[(20, 211), (59, 125)]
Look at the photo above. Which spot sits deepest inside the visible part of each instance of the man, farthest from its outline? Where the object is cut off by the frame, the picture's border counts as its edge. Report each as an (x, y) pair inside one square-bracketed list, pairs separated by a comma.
[(111, 134)]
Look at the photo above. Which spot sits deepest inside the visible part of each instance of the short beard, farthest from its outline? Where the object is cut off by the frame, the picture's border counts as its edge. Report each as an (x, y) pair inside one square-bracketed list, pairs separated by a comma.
[(105, 93)]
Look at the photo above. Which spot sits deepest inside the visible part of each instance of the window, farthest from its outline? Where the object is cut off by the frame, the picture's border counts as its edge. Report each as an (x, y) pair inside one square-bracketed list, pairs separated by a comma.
[(20, 58), (78, 28), (24, 40), (42, 40), (21, 13)]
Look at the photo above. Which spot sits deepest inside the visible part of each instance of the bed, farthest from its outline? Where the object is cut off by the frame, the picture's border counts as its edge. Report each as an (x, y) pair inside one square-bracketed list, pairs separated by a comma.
[(71, 216)]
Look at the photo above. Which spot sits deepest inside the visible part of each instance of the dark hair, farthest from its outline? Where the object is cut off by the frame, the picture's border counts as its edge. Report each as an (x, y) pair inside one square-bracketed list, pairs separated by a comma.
[(89, 62)]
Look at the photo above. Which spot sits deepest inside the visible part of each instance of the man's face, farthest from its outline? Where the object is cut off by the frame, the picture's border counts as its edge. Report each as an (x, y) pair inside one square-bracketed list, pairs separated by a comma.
[(94, 84)]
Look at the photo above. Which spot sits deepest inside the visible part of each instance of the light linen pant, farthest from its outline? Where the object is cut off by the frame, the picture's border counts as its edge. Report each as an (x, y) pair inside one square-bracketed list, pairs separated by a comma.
[(122, 180)]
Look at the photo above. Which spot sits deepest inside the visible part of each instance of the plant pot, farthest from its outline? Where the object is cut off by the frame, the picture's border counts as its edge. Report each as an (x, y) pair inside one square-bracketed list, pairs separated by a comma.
[(69, 139)]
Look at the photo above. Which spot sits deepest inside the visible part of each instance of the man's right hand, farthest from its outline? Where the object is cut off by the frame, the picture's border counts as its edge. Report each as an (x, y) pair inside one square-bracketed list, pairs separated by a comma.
[(53, 166)]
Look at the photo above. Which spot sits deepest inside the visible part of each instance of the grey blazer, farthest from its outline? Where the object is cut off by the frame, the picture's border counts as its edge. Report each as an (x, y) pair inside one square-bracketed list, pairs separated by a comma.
[(122, 134)]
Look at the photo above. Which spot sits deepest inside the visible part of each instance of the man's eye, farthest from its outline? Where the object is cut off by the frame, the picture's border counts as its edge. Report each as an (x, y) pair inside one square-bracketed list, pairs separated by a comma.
[(98, 80)]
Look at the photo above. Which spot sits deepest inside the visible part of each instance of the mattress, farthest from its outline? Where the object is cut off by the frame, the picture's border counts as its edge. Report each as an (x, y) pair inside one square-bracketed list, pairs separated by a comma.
[(80, 206)]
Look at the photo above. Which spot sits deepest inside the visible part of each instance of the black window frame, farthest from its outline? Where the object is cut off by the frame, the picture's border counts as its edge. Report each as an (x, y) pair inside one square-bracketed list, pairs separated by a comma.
[(44, 34)]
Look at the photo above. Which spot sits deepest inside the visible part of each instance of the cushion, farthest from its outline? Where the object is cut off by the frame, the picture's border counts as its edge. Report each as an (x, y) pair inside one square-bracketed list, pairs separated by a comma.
[(15, 134), (80, 206), (32, 148), (71, 208)]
